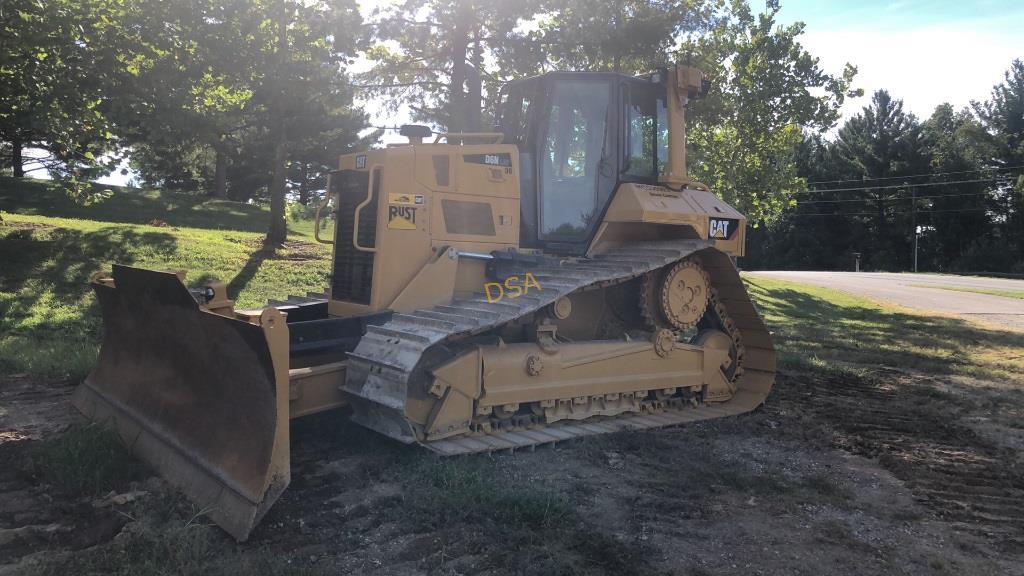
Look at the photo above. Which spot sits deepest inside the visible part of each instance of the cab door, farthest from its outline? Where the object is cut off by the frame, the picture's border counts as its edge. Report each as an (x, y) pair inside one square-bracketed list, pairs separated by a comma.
[(576, 162)]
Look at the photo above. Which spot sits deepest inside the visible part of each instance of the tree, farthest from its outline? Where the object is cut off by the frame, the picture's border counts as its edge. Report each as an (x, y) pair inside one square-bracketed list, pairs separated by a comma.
[(956, 211), (225, 95), (766, 91), (185, 108), (279, 128), (431, 55), (58, 59), (1003, 118), (628, 36), (879, 145), (625, 36), (816, 233), (307, 90)]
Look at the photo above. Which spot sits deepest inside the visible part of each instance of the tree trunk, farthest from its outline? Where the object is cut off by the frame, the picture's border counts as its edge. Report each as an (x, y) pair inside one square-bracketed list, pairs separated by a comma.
[(17, 161), (618, 55), (303, 183), (456, 93), (278, 232), (220, 176), (472, 105), (278, 226)]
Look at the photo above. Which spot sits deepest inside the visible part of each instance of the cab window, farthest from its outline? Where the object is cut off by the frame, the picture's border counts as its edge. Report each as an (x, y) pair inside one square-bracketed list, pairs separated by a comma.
[(518, 109), (646, 132), (571, 158)]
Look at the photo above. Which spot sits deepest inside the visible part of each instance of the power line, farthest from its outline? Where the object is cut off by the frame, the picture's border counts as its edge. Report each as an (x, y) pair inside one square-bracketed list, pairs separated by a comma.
[(894, 186), (803, 202), (921, 175), (845, 214)]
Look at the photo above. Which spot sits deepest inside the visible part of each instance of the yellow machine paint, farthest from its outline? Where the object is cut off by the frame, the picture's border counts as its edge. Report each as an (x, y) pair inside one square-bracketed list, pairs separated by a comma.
[(560, 278)]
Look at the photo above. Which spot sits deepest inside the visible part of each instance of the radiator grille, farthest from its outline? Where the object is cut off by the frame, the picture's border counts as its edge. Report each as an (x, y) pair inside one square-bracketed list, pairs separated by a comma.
[(352, 279)]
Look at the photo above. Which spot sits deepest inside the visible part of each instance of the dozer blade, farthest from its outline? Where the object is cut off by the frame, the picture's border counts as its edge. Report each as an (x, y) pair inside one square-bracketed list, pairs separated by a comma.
[(201, 397)]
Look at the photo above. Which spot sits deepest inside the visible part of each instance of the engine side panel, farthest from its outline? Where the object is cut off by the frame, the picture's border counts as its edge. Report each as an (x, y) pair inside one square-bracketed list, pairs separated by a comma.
[(637, 209), (423, 201)]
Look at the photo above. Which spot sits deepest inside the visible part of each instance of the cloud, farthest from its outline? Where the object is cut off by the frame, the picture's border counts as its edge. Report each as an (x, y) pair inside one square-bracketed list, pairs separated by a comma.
[(925, 66)]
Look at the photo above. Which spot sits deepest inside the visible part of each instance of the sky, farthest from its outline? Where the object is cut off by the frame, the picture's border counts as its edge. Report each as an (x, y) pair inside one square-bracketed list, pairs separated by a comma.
[(924, 52)]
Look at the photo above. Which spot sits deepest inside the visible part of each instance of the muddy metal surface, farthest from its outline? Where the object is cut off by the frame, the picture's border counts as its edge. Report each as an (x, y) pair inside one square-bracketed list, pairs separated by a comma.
[(922, 292), (897, 473)]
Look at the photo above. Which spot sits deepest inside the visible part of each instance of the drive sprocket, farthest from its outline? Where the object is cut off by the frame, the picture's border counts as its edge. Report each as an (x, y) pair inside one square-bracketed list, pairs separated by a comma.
[(675, 298)]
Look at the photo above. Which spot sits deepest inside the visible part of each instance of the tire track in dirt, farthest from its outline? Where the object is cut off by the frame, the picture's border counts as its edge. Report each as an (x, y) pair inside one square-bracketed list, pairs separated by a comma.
[(914, 432), (33, 409)]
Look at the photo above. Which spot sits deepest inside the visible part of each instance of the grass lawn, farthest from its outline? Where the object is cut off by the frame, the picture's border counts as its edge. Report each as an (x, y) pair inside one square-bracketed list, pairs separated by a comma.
[(49, 321), (136, 206), (819, 328), (1019, 294)]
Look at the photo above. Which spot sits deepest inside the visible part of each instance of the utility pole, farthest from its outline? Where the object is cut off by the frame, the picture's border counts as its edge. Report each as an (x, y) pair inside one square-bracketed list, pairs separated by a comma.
[(917, 234), (913, 222)]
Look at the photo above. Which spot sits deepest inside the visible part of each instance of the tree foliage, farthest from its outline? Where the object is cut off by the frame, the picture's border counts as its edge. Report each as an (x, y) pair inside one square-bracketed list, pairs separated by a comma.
[(447, 59), (192, 90), (204, 106), (766, 90), (1003, 118), (628, 36), (245, 99), (433, 56), (953, 180), (58, 61)]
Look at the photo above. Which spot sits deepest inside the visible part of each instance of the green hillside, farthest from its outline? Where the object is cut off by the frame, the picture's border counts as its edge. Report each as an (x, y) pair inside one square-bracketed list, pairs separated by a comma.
[(50, 246)]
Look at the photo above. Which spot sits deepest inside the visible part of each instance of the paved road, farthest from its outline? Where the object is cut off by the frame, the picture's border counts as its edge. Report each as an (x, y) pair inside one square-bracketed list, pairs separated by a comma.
[(907, 290)]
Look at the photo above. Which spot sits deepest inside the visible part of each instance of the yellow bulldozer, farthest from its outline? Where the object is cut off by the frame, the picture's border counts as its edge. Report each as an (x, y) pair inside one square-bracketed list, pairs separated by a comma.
[(557, 278)]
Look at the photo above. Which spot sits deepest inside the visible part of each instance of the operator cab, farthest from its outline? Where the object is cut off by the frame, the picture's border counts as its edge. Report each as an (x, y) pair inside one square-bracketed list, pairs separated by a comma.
[(581, 134)]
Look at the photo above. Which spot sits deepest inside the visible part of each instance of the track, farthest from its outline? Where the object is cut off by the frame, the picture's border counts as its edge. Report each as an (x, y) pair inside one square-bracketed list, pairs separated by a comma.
[(957, 474), (390, 359)]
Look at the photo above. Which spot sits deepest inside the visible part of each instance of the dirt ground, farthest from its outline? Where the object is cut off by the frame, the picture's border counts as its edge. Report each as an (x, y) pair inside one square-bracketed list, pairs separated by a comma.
[(842, 472)]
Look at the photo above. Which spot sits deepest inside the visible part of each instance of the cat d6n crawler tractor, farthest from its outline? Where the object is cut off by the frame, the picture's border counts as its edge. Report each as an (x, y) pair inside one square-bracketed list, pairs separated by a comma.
[(557, 278)]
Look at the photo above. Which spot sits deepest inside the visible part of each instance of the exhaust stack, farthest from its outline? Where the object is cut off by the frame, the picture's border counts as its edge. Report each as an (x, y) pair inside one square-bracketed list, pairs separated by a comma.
[(683, 84)]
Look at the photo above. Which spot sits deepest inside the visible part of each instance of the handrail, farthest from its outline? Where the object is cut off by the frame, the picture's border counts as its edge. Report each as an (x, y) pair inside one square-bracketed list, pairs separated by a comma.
[(321, 206), (359, 208), (475, 256), (461, 136)]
